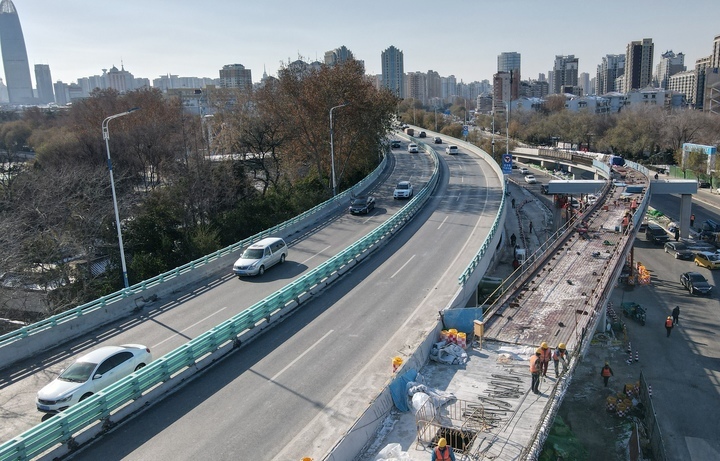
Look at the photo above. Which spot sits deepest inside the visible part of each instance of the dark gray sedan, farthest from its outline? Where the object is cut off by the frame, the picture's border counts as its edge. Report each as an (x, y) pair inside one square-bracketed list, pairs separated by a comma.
[(695, 283), (679, 250)]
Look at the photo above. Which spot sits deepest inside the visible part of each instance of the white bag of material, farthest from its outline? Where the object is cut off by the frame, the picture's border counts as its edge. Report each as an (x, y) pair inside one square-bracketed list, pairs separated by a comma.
[(392, 452), (418, 400)]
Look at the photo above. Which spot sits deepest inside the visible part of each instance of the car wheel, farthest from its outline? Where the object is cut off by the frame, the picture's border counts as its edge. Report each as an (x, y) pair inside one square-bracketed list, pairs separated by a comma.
[(140, 366), (676, 256), (282, 258), (261, 271), (666, 250), (697, 263), (85, 396)]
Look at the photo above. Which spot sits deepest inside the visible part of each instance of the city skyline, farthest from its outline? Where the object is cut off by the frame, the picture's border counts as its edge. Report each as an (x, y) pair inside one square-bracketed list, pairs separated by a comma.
[(163, 37)]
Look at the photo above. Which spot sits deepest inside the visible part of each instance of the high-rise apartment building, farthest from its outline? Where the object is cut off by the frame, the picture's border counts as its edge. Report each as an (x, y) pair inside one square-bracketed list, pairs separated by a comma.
[(393, 71), (44, 84), (565, 74), (715, 56), (338, 56), (434, 85), (14, 55), (701, 66), (611, 67), (683, 82), (448, 88), (584, 82), (502, 89), (416, 86), (638, 64), (510, 62), (235, 76), (669, 65)]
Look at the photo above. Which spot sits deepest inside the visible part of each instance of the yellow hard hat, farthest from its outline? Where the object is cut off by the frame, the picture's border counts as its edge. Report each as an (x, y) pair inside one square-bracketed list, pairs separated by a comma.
[(442, 442), (538, 351), (561, 346), (544, 345)]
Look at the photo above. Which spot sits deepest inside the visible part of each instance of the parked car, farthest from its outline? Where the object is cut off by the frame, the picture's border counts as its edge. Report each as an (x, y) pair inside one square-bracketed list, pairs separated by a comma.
[(451, 150), (362, 204), (91, 373), (395, 144), (530, 179), (260, 256), (707, 259), (437, 140), (413, 148), (403, 190), (656, 234), (702, 184), (679, 250), (695, 283)]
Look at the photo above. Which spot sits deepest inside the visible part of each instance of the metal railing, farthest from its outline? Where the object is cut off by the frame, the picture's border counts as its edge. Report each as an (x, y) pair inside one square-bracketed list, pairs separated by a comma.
[(98, 408), (104, 301)]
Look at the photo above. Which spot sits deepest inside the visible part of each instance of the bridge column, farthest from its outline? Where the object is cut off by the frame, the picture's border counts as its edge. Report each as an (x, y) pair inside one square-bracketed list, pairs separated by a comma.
[(685, 212)]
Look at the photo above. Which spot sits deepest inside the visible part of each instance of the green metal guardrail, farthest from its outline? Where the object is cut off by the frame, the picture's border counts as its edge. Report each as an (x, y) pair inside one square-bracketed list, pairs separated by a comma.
[(100, 303), (60, 428)]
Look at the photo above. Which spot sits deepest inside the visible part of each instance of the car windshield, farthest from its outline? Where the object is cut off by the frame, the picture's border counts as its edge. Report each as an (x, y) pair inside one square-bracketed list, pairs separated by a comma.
[(402, 186), (713, 257), (696, 278), (358, 201), (253, 253), (78, 372), (679, 246)]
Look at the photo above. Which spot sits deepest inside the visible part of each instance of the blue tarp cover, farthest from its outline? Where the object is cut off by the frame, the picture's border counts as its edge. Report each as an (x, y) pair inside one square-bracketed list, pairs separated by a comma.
[(398, 389)]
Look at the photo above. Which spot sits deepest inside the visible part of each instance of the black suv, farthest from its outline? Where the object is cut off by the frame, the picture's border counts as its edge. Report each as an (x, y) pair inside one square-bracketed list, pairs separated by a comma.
[(656, 234)]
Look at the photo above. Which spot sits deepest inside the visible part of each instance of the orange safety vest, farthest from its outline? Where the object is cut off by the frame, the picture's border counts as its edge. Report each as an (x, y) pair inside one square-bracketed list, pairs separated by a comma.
[(545, 354), (534, 368), (606, 372), (557, 354), (442, 455)]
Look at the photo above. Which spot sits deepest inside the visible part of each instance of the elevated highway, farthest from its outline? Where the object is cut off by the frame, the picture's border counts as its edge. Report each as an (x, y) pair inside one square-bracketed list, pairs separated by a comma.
[(471, 194)]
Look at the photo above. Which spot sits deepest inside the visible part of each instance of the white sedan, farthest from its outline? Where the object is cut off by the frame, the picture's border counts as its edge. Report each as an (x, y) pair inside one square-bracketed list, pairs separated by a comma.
[(530, 179), (91, 373)]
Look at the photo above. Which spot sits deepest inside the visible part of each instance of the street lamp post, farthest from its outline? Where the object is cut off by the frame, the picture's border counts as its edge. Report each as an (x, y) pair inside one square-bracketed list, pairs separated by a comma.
[(106, 137), (332, 148), (493, 133), (507, 131)]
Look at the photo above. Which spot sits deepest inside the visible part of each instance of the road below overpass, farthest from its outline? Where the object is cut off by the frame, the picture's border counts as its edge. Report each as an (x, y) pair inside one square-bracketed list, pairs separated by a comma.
[(295, 390)]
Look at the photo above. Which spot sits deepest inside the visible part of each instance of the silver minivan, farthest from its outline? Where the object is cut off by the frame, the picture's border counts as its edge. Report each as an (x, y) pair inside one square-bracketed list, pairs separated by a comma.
[(261, 256)]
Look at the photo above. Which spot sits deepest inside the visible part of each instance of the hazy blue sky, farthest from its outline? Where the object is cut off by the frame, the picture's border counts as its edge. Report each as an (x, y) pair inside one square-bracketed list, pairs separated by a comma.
[(79, 38)]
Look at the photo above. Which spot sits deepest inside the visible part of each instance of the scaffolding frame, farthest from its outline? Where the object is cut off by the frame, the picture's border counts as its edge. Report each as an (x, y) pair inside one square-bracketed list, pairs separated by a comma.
[(459, 422)]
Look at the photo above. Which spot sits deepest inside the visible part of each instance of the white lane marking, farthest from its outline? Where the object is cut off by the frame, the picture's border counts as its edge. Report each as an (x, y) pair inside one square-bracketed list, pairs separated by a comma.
[(403, 266), (186, 329), (443, 222), (311, 257), (300, 356)]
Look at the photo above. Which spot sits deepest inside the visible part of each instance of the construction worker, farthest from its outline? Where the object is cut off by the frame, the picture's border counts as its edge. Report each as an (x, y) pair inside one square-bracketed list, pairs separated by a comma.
[(443, 452), (560, 354), (606, 373), (545, 356), (669, 325), (535, 366)]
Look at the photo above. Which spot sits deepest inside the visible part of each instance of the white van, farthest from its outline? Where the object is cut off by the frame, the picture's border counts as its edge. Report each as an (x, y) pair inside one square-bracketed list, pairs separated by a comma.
[(260, 256)]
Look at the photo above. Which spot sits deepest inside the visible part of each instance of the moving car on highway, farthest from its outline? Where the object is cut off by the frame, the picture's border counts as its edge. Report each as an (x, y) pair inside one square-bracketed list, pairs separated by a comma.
[(530, 179), (91, 373), (362, 204), (451, 150), (403, 190), (260, 256), (413, 148)]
